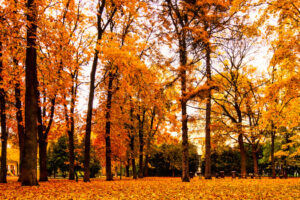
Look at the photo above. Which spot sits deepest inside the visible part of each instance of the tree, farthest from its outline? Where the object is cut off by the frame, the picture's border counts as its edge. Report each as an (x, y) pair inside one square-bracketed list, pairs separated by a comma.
[(180, 21), (110, 9), (212, 17), (234, 89), (29, 161), (4, 134)]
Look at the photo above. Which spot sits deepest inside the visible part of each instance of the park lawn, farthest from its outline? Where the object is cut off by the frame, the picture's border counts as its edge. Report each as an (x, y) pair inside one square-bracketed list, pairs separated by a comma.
[(156, 188)]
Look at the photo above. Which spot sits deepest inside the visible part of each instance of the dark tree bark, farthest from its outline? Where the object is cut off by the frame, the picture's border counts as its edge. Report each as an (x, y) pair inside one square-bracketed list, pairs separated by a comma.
[(272, 153), (131, 144), (134, 174), (29, 160), (207, 117), (148, 144), (71, 155), (240, 137), (20, 125), (184, 118), (71, 127), (181, 36), (109, 176), (4, 134), (255, 160), (127, 168), (71, 134), (43, 159), (43, 132), (87, 140), (146, 167), (179, 21), (243, 155), (141, 141), (120, 170)]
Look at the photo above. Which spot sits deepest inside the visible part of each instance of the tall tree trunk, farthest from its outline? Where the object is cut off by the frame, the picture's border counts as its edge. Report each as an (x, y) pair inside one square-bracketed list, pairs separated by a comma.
[(71, 136), (141, 141), (109, 176), (43, 159), (131, 144), (207, 118), (243, 156), (71, 155), (20, 126), (272, 154), (285, 164), (146, 167), (255, 161), (148, 145), (127, 168), (141, 149), (184, 119), (87, 142), (120, 170), (43, 134), (134, 174), (4, 134), (29, 160), (88, 129)]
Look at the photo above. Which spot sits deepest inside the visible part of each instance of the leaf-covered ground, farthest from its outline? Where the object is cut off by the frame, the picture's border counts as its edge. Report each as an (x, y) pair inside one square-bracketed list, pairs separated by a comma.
[(156, 188)]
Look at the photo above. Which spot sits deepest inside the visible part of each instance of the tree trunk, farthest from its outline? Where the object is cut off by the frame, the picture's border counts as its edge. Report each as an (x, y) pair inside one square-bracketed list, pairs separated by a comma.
[(141, 140), (184, 119), (43, 134), (120, 170), (107, 127), (71, 133), (87, 140), (148, 143), (146, 167), (272, 154), (243, 156), (207, 118), (255, 161), (43, 159), (71, 154), (141, 154), (131, 144), (29, 160), (127, 168), (88, 130), (134, 174), (20, 125), (4, 134)]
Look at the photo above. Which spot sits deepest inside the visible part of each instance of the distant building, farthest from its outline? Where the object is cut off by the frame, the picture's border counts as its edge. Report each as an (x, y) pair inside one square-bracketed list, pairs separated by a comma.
[(12, 168)]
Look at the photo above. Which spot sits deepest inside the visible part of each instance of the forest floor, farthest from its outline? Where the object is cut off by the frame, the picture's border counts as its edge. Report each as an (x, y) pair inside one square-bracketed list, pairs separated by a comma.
[(155, 188)]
